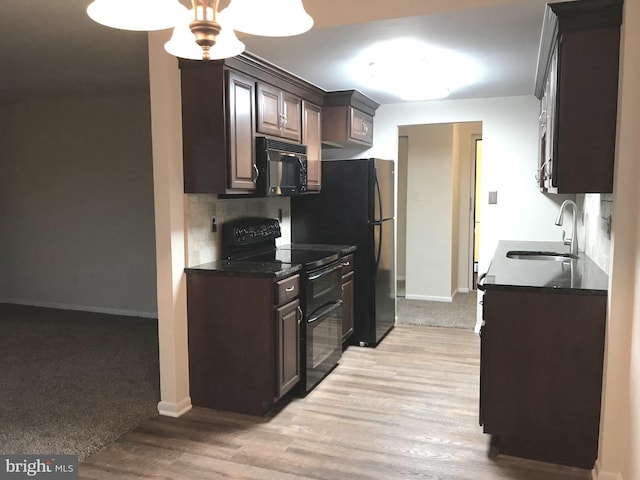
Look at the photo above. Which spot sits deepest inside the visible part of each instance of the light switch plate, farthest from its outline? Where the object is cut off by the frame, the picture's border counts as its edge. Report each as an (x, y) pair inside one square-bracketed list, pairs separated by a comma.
[(493, 198)]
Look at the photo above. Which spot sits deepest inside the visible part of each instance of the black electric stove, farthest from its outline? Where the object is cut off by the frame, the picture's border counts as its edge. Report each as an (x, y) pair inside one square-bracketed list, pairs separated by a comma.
[(253, 240)]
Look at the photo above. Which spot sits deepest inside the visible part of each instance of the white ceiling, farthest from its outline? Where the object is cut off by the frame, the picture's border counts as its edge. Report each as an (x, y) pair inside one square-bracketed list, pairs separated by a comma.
[(51, 47)]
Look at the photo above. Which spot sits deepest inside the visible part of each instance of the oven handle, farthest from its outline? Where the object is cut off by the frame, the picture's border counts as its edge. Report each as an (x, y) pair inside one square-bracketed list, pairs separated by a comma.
[(323, 311), (331, 269)]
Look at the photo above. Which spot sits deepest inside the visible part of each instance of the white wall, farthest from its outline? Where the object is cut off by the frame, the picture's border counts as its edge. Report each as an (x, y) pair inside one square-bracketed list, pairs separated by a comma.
[(76, 204), (510, 136), (619, 455), (401, 206)]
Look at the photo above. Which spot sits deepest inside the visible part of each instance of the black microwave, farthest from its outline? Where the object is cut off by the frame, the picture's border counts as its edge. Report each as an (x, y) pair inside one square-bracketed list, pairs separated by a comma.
[(282, 167)]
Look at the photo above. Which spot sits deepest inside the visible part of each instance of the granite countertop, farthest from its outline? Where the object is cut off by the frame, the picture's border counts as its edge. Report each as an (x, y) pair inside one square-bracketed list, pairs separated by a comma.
[(581, 276), (323, 247), (273, 269)]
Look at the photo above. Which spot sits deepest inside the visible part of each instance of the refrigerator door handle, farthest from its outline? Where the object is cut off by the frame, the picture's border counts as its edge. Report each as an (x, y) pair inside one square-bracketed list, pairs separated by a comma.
[(379, 219), (379, 252)]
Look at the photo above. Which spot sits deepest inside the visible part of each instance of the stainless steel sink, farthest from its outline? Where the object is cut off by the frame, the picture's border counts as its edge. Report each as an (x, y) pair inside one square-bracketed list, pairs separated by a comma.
[(541, 256)]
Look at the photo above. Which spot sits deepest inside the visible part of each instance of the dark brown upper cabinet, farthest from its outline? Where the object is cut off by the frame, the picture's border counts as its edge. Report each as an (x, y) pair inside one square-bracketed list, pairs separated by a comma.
[(218, 128), (311, 137), (225, 104), (279, 113), (348, 119), (577, 84)]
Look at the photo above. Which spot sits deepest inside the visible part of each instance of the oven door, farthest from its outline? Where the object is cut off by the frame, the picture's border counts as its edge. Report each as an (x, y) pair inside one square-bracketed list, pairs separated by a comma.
[(322, 332), (324, 342), (323, 287)]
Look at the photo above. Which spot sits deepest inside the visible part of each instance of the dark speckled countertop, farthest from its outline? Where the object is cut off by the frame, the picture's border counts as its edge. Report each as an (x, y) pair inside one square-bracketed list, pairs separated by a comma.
[(581, 276), (241, 268), (323, 247), (274, 269)]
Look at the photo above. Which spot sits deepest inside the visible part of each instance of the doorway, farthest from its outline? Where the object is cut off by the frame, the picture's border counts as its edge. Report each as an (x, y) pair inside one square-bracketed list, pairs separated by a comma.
[(477, 174), (437, 197)]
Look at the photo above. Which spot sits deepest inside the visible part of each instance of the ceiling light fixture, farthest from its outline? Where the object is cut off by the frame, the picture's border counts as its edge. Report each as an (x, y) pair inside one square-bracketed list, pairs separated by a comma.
[(413, 70), (411, 79), (200, 35), (183, 41)]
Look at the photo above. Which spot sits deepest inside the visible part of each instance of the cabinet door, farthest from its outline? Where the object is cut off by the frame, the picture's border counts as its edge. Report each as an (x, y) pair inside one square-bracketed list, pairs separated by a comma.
[(361, 126), (269, 110), (547, 175), (291, 117), (311, 137), (288, 318), (347, 306), (241, 95)]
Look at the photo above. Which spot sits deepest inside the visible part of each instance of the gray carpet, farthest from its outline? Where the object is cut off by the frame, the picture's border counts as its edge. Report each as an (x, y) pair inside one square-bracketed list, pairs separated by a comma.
[(73, 382), (461, 313)]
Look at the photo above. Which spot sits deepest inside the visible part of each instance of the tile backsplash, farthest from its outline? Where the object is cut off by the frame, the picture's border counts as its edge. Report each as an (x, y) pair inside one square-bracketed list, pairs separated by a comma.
[(594, 228), (203, 245)]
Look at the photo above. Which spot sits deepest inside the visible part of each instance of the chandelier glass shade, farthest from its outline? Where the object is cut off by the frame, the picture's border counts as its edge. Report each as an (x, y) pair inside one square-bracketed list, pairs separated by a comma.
[(203, 33), (138, 15), (274, 18)]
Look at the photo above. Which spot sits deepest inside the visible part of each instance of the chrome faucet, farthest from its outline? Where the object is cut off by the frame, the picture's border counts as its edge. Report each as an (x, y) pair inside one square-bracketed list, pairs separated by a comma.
[(573, 240)]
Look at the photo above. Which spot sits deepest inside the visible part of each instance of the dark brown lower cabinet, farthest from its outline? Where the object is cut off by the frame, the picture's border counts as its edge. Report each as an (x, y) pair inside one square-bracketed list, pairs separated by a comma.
[(244, 340), (541, 373), (288, 352)]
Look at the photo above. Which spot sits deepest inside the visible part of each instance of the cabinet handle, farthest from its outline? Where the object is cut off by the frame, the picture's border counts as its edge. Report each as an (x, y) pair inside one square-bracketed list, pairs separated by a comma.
[(346, 264), (290, 289), (299, 310), (256, 173), (365, 128)]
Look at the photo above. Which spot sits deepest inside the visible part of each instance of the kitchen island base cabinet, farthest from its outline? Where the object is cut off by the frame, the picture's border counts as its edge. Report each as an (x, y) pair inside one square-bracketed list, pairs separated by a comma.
[(541, 373), (244, 341)]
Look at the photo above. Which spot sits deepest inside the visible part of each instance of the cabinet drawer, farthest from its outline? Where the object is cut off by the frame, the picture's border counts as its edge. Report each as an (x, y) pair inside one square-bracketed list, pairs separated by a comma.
[(287, 289), (347, 264)]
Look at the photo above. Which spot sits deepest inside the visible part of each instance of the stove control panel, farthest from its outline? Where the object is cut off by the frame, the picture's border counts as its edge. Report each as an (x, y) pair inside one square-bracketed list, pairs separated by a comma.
[(247, 231)]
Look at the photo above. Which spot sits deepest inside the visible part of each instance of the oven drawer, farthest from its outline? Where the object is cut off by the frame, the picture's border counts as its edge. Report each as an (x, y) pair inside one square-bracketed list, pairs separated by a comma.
[(347, 264), (287, 289)]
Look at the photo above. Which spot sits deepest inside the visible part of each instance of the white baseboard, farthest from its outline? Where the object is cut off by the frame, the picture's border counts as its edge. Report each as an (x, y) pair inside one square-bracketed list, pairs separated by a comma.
[(170, 409), (463, 290), (81, 308), (598, 474), (428, 298), (400, 278)]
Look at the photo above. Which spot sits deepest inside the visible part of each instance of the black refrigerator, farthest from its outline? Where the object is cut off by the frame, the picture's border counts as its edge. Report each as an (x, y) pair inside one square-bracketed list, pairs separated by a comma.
[(356, 207)]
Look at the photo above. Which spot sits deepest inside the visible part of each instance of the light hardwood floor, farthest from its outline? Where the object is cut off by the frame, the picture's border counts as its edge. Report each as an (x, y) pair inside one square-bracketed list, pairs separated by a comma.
[(407, 409)]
